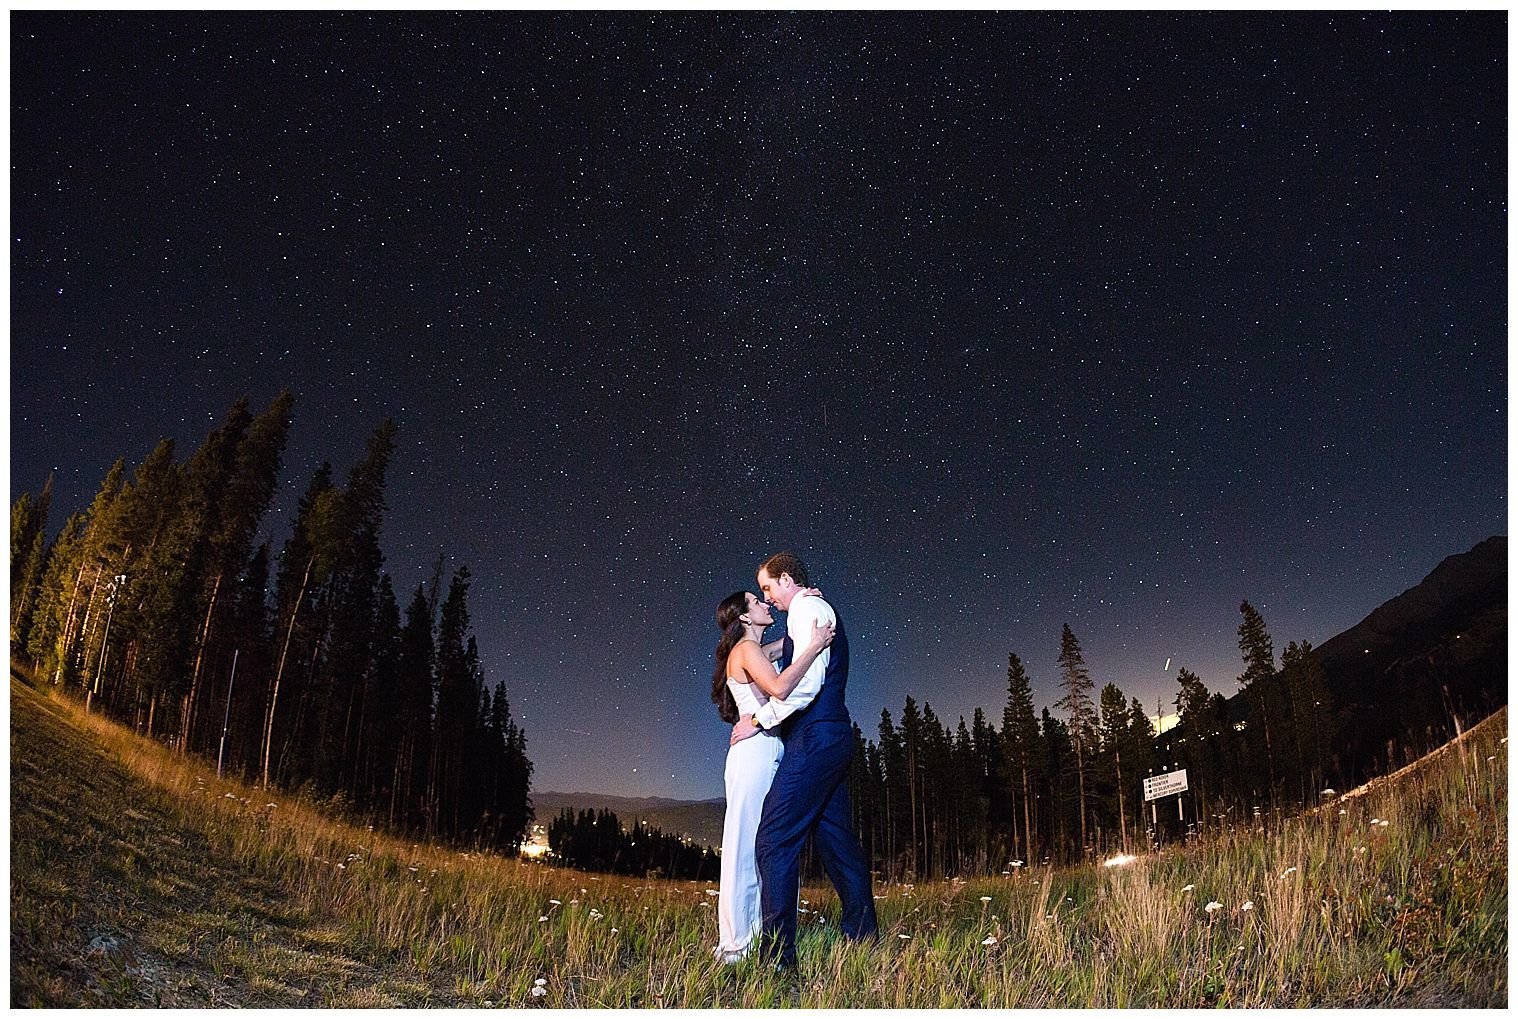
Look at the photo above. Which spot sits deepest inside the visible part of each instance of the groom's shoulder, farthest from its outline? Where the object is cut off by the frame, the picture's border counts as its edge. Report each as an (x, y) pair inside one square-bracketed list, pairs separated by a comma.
[(813, 606)]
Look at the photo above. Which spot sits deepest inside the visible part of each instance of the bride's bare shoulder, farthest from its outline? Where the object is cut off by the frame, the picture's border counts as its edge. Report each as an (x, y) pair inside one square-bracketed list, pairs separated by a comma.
[(745, 656)]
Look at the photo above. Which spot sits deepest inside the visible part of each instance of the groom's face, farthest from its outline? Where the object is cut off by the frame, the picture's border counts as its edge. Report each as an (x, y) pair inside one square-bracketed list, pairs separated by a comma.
[(778, 591)]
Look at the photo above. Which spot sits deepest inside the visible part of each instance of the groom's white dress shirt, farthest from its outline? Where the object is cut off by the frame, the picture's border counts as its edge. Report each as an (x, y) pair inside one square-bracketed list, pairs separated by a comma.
[(801, 619)]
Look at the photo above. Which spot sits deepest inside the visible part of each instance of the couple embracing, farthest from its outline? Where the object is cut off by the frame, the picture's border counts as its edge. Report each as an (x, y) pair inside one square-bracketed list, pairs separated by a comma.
[(787, 764)]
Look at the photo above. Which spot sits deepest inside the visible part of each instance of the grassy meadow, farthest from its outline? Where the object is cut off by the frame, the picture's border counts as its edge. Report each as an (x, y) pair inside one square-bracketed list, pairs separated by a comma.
[(138, 879)]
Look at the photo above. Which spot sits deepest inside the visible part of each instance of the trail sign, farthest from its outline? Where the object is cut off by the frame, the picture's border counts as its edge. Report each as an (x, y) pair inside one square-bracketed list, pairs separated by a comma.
[(1167, 784)]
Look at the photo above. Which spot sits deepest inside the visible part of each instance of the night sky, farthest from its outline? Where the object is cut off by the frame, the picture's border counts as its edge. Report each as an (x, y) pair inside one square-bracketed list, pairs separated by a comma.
[(1000, 321)]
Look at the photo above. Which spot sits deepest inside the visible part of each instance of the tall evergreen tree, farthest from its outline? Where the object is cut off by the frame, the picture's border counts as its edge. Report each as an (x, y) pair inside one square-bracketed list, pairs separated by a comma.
[(1075, 680), (28, 558), (1312, 715), (1113, 739), (416, 671), (306, 558), (1259, 667), (233, 477), (1019, 730), (896, 824), (458, 698)]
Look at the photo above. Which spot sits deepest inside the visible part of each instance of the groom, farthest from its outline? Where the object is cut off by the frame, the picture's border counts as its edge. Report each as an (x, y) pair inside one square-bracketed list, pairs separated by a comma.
[(810, 792)]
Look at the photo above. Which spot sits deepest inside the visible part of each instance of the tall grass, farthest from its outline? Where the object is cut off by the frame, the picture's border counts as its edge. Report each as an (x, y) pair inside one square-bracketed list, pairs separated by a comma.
[(1396, 895)]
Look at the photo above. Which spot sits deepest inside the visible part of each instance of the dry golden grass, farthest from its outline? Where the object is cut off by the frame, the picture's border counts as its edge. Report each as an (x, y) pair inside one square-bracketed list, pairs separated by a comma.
[(138, 878)]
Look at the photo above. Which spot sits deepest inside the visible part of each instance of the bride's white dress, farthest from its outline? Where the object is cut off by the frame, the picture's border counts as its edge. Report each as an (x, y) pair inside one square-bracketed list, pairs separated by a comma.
[(751, 766)]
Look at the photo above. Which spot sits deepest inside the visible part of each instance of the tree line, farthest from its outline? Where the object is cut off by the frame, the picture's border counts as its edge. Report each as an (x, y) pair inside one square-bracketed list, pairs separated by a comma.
[(595, 840), (294, 669), (1066, 785)]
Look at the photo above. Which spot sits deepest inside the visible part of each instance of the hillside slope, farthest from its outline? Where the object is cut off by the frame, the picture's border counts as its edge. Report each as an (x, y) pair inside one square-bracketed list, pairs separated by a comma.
[(140, 879)]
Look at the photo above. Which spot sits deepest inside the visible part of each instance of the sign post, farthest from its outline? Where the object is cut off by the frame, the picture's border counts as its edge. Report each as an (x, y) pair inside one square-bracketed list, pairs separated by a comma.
[(1171, 783)]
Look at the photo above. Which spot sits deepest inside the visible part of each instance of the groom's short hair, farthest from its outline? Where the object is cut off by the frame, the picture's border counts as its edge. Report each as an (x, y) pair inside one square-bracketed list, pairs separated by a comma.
[(786, 562)]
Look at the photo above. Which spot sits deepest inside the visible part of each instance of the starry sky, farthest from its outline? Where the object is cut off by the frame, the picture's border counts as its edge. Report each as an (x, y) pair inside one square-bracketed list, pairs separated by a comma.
[(1001, 322)]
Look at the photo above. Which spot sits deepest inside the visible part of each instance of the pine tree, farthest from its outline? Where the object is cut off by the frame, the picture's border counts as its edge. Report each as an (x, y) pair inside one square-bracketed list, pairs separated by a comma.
[(1259, 667), (304, 559), (1138, 753), (379, 722), (1113, 740), (988, 759), (413, 710), (1075, 680), (912, 747), (1312, 714), (234, 476), (28, 559), (457, 708), (896, 794), (1019, 730), (1057, 767)]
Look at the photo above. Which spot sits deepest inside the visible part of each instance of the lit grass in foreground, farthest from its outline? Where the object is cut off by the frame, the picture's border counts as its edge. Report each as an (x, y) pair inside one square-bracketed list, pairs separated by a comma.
[(224, 895)]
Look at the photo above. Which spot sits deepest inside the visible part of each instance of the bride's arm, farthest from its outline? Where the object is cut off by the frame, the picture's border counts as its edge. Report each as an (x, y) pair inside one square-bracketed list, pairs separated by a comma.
[(780, 687)]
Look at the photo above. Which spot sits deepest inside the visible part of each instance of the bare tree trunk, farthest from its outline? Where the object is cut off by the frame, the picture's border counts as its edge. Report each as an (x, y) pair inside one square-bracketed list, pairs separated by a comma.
[(1027, 821), (1080, 787), (1122, 814), (279, 673), (200, 657), (68, 625)]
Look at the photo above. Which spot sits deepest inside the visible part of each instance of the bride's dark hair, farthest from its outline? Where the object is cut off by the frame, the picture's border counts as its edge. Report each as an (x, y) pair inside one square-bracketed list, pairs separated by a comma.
[(729, 621)]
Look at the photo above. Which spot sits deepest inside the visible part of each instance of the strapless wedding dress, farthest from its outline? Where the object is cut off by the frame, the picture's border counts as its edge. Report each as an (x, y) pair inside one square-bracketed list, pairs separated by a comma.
[(750, 768)]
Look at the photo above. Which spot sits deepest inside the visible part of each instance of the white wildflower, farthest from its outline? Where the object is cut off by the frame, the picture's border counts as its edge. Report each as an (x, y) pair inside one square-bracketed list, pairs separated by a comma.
[(556, 902), (1213, 907), (905, 937), (985, 898), (540, 982), (1246, 907), (1288, 870), (1188, 888), (713, 892), (542, 919), (990, 940), (538, 992)]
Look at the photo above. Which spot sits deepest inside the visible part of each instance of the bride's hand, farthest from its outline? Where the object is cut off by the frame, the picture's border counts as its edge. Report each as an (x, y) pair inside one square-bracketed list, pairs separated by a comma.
[(822, 634), (816, 591)]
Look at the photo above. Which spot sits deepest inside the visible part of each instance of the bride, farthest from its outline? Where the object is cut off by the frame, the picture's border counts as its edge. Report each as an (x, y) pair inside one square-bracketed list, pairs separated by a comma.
[(743, 679)]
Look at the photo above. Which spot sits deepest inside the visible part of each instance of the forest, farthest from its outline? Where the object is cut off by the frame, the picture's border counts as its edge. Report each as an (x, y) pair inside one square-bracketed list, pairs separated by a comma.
[(1067, 785), (597, 840), (295, 668)]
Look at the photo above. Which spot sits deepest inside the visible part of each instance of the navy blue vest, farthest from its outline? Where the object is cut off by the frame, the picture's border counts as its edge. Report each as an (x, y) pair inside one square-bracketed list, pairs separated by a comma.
[(828, 706)]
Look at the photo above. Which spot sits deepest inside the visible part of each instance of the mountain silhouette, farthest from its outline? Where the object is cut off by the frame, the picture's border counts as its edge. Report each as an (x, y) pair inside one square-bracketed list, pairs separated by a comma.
[(1429, 662)]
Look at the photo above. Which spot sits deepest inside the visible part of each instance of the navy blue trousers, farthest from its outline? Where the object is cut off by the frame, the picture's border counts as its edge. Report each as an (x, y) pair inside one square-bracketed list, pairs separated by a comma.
[(810, 793)]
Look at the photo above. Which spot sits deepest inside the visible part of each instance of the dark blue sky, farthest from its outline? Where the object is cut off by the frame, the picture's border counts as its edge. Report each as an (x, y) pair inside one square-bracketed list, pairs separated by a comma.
[(1000, 321)]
